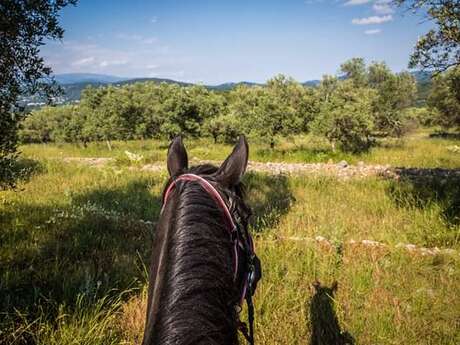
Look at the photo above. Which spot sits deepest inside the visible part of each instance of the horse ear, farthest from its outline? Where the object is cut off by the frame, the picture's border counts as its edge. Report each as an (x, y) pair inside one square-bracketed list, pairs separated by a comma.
[(335, 286), (233, 168), (177, 160)]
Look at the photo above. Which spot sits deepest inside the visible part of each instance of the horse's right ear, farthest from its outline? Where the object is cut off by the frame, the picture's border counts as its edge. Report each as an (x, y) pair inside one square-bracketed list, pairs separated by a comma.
[(177, 160), (233, 168)]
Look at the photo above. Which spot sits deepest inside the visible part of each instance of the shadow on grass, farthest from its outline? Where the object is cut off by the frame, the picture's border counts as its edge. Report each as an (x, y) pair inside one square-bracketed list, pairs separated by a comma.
[(323, 318), (445, 135), (23, 169), (421, 188), (270, 198), (94, 247), (98, 245)]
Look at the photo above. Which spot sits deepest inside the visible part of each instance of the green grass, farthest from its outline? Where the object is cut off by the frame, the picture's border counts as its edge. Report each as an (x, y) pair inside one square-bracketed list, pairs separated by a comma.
[(75, 247), (416, 150)]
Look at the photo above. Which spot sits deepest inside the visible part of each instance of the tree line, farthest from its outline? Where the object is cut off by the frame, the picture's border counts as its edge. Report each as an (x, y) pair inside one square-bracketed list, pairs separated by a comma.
[(26, 25), (349, 110)]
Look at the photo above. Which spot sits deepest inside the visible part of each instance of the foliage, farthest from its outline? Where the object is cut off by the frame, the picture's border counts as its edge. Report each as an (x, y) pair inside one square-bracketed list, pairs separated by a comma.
[(445, 98), (24, 27), (355, 70), (438, 49), (225, 127), (280, 108), (423, 116), (395, 93), (346, 117)]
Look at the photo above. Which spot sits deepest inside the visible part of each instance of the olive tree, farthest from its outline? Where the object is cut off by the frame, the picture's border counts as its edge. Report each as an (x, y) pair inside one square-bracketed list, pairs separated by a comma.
[(24, 26)]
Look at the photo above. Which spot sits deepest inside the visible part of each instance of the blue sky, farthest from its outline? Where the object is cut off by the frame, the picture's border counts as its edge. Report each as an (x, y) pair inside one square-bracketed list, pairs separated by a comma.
[(220, 41)]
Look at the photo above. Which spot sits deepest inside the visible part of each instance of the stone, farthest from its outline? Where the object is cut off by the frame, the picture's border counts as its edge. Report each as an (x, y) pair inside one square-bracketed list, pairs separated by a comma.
[(342, 164)]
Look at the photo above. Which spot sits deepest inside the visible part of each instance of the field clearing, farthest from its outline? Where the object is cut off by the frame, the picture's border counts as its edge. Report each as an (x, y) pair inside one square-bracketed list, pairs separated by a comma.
[(75, 243), (416, 150)]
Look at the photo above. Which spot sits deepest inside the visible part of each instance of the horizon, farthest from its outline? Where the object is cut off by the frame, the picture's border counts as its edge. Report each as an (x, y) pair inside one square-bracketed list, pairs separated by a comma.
[(230, 42)]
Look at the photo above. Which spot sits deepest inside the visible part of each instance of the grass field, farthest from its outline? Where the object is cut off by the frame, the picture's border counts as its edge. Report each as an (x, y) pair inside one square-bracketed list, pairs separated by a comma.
[(411, 151), (75, 243)]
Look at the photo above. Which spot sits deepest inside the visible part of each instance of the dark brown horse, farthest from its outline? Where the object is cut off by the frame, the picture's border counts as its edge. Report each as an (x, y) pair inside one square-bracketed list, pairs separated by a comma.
[(202, 261)]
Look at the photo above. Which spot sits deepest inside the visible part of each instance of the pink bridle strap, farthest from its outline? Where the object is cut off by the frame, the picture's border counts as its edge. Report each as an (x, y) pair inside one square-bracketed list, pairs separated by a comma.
[(211, 190)]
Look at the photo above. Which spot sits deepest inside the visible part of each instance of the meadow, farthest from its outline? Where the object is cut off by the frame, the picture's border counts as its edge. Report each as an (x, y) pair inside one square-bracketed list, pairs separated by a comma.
[(75, 242)]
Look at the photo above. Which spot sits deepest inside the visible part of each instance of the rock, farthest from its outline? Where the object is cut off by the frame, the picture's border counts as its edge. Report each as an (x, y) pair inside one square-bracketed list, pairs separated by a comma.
[(342, 164)]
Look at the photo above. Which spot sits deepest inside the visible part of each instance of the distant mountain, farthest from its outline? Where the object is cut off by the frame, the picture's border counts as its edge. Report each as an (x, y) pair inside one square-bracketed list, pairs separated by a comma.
[(422, 76), (155, 80), (74, 83), (424, 84), (311, 82), (73, 78), (231, 86)]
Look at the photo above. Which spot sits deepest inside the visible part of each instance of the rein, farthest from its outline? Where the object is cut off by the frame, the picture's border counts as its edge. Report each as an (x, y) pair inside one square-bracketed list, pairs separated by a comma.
[(244, 241)]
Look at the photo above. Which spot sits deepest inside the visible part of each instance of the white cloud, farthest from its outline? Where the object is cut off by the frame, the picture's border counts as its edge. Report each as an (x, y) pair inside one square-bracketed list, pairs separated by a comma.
[(106, 63), (356, 2), (372, 20), (373, 31), (83, 62), (383, 7), (154, 20), (116, 58)]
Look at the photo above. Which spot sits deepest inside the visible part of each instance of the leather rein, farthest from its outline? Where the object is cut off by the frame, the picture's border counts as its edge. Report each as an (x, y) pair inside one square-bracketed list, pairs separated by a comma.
[(242, 240)]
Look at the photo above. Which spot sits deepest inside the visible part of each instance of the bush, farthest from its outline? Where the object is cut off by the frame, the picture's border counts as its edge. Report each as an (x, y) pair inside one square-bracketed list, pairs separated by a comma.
[(346, 118), (227, 128), (445, 99)]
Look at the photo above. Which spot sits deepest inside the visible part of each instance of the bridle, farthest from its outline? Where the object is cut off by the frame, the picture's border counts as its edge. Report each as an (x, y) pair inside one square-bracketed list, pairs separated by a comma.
[(240, 238)]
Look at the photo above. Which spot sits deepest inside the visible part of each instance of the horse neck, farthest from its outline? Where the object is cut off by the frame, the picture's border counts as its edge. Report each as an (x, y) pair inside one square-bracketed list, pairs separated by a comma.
[(191, 288)]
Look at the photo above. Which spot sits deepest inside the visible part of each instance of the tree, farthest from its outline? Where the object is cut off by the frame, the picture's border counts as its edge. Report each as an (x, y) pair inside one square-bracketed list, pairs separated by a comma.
[(24, 25), (444, 98), (346, 117), (282, 107), (378, 74), (355, 69), (226, 127), (396, 92), (439, 49)]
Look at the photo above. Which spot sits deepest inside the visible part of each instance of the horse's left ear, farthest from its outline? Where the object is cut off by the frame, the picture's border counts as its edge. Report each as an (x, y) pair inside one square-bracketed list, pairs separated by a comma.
[(233, 168), (177, 160)]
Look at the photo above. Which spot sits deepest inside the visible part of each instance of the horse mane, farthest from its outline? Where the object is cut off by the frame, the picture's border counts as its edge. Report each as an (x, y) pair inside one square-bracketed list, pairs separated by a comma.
[(195, 299)]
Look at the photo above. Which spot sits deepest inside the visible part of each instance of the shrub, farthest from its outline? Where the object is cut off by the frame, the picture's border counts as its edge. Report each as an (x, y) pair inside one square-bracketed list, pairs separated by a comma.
[(346, 118)]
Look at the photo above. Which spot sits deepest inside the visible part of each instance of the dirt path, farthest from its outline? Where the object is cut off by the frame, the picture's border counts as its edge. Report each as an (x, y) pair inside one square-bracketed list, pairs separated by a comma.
[(341, 170), (370, 244)]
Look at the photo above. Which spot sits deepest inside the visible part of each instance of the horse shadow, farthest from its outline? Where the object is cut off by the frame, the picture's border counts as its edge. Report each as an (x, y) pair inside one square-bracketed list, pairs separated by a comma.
[(270, 197), (325, 328)]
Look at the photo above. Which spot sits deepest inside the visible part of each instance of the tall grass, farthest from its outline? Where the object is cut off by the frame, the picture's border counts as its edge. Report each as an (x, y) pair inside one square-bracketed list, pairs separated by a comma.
[(75, 246)]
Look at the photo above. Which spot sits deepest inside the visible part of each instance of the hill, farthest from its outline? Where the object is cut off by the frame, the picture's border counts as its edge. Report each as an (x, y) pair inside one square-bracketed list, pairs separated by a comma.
[(78, 78), (74, 83)]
